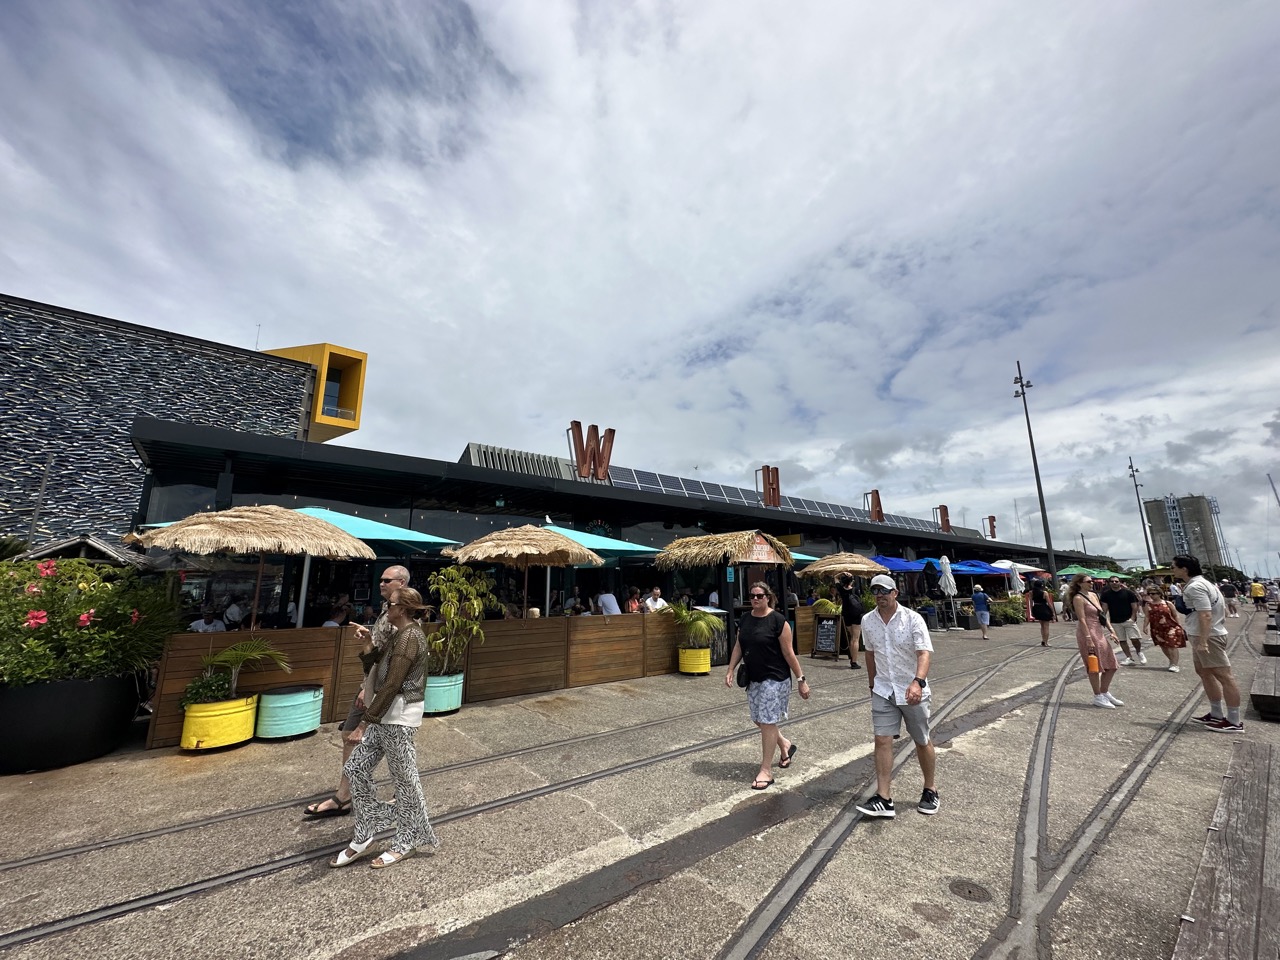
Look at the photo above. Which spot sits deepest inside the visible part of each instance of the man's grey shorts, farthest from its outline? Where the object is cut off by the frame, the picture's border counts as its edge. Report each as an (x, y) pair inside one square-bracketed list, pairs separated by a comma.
[(887, 718), (1127, 630)]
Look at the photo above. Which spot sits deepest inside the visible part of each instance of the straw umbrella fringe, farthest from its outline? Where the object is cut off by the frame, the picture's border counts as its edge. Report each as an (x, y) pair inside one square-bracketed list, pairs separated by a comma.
[(260, 530), (525, 547), (854, 563), (265, 529), (716, 548)]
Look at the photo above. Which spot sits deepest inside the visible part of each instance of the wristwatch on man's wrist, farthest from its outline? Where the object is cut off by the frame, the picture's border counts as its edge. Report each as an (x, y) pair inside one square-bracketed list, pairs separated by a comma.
[(922, 681), (801, 680)]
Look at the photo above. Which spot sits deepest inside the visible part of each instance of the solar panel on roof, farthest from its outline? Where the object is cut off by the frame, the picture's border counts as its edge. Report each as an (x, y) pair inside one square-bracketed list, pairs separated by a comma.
[(693, 488), (625, 474), (714, 491), (671, 485)]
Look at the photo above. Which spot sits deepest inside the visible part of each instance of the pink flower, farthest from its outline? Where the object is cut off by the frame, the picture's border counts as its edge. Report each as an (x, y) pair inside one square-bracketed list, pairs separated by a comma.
[(86, 618), (36, 618), (47, 568), (134, 617), (33, 588)]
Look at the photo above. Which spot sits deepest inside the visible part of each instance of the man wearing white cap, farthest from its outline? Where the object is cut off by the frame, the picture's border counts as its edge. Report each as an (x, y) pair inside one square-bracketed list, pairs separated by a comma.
[(898, 654)]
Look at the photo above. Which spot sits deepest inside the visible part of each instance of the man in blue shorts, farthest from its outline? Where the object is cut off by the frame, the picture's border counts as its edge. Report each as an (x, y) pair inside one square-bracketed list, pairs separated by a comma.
[(898, 654)]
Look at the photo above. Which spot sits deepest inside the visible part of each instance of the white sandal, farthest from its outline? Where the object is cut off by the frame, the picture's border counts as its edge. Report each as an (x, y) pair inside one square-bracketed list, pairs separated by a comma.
[(390, 858), (354, 851)]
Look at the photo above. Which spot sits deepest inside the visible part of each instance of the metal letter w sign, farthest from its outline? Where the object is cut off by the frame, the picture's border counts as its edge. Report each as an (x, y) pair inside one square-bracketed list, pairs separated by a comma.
[(591, 457)]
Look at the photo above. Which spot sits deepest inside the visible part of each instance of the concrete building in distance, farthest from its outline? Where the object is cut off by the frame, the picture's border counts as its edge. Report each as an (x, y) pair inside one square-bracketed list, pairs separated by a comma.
[(1186, 525), (73, 383)]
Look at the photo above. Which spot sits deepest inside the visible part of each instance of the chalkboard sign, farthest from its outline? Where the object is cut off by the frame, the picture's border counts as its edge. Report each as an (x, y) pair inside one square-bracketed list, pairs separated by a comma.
[(826, 635)]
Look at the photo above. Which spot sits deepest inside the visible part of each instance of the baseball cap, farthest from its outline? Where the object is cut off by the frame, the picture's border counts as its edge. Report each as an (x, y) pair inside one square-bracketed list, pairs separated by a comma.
[(883, 580)]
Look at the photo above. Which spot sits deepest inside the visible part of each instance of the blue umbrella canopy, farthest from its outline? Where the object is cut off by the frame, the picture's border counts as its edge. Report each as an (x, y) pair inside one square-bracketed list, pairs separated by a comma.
[(604, 546), (375, 531)]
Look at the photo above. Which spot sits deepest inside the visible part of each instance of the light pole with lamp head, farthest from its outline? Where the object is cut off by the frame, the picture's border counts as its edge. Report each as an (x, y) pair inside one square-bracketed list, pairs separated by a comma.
[(1133, 475), (1023, 385)]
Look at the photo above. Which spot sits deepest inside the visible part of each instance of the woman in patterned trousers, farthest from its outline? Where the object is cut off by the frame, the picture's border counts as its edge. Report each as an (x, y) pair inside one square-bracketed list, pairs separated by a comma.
[(390, 723)]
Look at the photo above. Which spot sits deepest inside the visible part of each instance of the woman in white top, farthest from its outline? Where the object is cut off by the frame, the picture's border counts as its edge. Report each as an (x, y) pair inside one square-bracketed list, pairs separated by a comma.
[(391, 721)]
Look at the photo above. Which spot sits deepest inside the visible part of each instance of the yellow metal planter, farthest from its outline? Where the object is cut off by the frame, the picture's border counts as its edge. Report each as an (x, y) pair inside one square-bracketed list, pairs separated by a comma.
[(209, 725), (695, 661)]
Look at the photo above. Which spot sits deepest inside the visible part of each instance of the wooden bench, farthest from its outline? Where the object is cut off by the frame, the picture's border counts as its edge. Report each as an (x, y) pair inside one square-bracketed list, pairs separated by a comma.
[(1265, 692), (1234, 910)]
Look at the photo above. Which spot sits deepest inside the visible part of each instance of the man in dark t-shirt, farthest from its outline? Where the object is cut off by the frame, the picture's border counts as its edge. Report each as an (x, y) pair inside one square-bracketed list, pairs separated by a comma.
[(1122, 610)]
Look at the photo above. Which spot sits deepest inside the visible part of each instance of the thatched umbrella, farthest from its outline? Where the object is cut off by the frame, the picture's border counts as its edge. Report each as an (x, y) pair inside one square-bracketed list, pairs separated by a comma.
[(854, 563), (745, 546), (260, 530), (522, 548), (714, 549)]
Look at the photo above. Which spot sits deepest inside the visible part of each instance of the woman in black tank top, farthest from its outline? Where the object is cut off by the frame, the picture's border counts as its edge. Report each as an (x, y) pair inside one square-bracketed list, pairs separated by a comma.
[(764, 643)]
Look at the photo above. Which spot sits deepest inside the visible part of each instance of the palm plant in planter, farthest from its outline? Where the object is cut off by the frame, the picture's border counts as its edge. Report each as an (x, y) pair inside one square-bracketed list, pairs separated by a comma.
[(697, 629), (215, 716), (463, 596), (76, 639)]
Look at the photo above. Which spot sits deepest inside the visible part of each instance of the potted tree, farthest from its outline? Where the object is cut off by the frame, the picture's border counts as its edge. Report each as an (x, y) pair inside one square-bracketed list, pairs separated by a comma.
[(215, 715), (76, 640), (463, 596), (697, 629)]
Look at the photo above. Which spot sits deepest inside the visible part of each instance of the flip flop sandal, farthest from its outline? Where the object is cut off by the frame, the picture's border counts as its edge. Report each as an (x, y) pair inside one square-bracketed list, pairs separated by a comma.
[(341, 808), (786, 761), (761, 784), (389, 859)]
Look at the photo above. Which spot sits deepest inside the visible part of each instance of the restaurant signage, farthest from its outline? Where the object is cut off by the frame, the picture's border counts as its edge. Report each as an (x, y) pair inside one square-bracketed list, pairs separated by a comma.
[(591, 454), (762, 552)]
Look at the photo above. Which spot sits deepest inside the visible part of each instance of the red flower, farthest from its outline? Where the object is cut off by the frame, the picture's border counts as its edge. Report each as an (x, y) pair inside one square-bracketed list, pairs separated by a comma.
[(134, 617), (86, 618), (36, 618), (47, 568), (33, 588)]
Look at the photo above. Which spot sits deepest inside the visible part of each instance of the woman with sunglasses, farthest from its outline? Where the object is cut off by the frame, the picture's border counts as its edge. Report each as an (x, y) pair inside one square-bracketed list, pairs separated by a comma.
[(764, 642), (1094, 635), (391, 721)]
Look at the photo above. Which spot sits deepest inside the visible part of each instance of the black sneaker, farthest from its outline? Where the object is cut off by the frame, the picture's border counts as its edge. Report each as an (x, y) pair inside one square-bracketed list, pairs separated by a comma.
[(877, 806), (854, 665), (1205, 720), (928, 802)]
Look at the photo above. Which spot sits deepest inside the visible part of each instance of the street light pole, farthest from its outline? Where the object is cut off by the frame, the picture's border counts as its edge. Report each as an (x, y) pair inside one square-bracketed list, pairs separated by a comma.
[(1133, 475), (1023, 385)]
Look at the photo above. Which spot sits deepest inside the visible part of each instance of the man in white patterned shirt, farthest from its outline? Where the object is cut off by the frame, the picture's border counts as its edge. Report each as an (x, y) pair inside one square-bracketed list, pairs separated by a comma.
[(898, 654)]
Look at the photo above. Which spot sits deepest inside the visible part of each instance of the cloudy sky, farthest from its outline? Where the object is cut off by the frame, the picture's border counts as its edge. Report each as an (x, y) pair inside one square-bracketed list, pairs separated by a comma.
[(816, 235)]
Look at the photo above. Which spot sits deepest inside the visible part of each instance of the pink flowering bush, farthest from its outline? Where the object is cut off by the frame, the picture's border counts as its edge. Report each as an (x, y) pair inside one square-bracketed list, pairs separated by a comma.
[(75, 620)]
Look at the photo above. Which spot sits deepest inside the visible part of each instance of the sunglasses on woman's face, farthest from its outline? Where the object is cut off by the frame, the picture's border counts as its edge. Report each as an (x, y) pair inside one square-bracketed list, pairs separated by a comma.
[(756, 596)]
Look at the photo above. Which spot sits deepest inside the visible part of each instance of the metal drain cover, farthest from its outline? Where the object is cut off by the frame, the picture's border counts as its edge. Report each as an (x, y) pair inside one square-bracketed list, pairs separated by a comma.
[(970, 890)]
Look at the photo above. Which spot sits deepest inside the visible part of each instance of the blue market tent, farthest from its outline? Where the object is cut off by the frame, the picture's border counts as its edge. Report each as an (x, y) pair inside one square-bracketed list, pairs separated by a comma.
[(898, 565)]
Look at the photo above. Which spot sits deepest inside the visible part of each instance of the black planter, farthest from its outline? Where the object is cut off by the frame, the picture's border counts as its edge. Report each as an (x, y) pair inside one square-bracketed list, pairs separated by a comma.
[(69, 721)]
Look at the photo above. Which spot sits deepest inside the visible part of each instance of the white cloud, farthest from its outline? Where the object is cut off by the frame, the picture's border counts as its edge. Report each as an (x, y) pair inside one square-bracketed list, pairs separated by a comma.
[(737, 232)]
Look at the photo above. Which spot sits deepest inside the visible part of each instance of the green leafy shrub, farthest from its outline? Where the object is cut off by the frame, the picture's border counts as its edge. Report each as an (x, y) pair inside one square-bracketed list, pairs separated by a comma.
[(222, 670), (1009, 611), (76, 620), (698, 627), (464, 595)]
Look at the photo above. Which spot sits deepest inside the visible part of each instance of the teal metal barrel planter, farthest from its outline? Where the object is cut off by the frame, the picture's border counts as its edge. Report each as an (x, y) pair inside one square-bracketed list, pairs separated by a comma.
[(289, 711), (443, 694)]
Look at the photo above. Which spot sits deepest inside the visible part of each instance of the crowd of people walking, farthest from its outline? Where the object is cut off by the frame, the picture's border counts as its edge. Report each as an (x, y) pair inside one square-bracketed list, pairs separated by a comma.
[(387, 710)]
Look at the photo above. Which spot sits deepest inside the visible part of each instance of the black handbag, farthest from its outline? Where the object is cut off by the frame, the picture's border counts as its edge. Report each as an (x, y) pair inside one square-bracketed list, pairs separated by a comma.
[(741, 677)]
